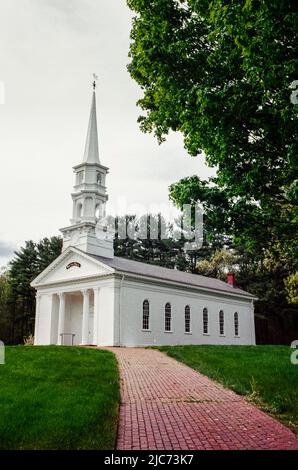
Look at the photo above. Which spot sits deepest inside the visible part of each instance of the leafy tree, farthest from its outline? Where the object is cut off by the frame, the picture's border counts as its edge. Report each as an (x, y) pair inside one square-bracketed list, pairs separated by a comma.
[(215, 204), (219, 72), (291, 284), (219, 264)]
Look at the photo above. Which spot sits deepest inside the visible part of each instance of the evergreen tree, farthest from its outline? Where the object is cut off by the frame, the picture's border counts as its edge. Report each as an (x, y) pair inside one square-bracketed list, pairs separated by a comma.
[(27, 263)]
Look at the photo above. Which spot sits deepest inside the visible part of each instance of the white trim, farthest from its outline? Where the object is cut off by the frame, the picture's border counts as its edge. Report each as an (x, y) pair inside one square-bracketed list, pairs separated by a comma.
[(64, 254), (75, 280), (70, 288), (37, 282)]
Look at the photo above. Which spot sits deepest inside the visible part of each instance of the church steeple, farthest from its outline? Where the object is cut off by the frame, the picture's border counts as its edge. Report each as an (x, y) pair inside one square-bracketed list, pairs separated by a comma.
[(91, 154), (88, 231)]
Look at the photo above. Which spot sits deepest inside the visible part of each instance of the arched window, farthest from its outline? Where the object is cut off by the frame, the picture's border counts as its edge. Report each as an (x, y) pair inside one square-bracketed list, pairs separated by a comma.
[(168, 317), (88, 206), (79, 210), (205, 321), (98, 211), (236, 323), (221, 323), (145, 315), (187, 319), (98, 178)]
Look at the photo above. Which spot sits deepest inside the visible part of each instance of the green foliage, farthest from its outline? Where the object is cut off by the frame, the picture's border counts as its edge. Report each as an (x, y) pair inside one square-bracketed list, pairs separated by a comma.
[(292, 288), (62, 398), (263, 260), (221, 262), (5, 296), (264, 373), (48, 249), (31, 260), (215, 205), (219, 72), (18, 306)]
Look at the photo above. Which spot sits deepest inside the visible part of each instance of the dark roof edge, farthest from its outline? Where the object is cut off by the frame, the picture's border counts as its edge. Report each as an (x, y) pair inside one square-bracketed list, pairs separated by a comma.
[(239, 293)]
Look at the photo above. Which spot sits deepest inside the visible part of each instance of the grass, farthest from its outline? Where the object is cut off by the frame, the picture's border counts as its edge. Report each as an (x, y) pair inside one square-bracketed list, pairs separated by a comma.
[(263, 373), (58, 398)]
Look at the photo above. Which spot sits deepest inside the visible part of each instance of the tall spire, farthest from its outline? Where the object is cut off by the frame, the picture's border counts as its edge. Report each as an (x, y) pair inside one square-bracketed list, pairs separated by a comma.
[(91, 154), (88, 230)]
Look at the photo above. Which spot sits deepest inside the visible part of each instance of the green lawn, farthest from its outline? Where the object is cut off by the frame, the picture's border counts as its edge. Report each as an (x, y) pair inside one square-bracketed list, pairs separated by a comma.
[(264, 373), (58, 398)]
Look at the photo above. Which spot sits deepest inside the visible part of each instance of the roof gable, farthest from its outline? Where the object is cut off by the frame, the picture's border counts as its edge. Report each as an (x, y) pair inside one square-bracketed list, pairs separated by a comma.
[(72, 264)]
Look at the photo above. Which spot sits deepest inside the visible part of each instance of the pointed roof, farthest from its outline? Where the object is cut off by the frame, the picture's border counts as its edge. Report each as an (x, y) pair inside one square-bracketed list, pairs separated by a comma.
[(91, 154)]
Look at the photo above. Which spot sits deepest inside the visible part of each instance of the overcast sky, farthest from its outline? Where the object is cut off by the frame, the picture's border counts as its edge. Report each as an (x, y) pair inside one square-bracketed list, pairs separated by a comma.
[(49, 50)]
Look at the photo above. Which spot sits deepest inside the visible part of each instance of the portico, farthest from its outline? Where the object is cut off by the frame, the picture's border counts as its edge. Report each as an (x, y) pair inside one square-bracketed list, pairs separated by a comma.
[(74, 316), (77, 318)]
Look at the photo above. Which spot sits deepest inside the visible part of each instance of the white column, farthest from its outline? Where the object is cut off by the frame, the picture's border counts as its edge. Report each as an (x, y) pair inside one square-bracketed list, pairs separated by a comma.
[(85, 319), (61, 317), (252, 323), (37, 314), (96, 313)]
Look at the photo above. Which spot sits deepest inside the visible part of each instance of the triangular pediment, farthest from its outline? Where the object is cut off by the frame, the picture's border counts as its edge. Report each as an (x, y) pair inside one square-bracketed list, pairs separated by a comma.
[(72, 265)]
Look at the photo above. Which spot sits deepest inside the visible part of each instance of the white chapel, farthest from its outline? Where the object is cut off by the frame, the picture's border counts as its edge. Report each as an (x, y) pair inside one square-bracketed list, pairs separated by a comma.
[(87, 296)]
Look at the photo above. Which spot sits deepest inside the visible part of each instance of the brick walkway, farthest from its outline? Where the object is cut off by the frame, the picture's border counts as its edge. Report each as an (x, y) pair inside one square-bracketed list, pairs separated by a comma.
[(166, 405)]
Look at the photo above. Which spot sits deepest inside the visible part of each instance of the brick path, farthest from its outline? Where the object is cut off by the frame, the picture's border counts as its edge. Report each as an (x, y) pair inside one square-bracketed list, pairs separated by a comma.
[(166, 405)]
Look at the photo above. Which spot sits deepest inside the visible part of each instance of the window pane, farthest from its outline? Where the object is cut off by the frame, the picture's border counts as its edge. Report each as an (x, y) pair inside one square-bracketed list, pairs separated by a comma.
[(236, 323), (168, 317), (187, 319), (221, 323), (205, 321), (145, 315)]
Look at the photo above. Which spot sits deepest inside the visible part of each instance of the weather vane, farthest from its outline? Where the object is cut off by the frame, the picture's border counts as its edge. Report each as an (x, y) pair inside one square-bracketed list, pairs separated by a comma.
[(95, 79)]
